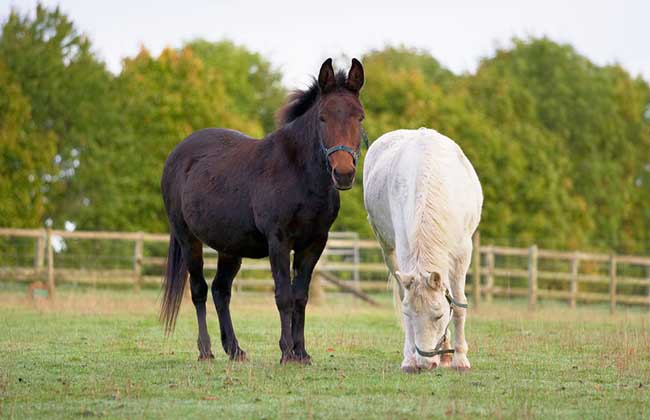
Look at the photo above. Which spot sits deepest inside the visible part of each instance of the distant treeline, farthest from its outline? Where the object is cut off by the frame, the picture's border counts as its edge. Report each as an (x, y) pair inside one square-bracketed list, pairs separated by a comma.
[(562, 146)]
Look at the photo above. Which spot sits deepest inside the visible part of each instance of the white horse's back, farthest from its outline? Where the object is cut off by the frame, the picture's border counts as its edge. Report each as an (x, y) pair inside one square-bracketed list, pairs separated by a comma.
[(421, 192)]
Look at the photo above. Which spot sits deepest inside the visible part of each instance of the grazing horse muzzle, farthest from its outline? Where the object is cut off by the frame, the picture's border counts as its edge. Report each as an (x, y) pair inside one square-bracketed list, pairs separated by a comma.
[(422, 355)]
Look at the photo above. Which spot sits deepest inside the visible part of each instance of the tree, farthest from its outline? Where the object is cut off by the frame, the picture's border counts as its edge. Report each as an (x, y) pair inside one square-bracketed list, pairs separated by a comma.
[(68, 92), (25, 158), (248, 78), (163, 99)]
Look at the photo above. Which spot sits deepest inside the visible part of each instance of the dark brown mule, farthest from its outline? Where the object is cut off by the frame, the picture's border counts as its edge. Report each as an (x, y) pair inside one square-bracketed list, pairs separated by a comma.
[(250, 198)]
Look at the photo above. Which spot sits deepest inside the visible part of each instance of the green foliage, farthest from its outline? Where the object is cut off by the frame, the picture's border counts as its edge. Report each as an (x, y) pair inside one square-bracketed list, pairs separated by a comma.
[(68, 94), (562, 146), (25, 157), (163, 99), (248, 78)]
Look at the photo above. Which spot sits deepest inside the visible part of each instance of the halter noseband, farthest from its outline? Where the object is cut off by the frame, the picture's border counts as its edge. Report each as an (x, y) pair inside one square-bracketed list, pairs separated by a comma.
[(354, 153), (437, 350)]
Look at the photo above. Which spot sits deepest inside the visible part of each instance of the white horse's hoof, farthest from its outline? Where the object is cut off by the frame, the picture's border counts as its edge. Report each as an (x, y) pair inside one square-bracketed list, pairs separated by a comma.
[(410, 369), (409, 366), (445, 360), (460, 362)]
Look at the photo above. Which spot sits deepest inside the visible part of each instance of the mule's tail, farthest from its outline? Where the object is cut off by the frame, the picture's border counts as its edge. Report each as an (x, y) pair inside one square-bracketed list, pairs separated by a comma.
[(173, 285)]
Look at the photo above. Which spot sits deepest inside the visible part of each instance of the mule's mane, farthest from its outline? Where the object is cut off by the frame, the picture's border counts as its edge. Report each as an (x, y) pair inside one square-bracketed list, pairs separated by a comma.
[(300, 101)]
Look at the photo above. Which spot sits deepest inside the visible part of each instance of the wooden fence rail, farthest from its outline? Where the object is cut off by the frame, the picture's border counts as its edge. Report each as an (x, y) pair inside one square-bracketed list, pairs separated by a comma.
[(495, 267)]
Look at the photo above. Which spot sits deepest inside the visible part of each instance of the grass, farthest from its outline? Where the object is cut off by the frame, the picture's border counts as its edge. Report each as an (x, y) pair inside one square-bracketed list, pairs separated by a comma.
[(102, 353)]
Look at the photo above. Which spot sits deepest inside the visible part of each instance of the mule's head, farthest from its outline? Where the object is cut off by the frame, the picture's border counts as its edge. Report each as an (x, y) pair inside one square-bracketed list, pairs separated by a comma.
[(340, 114), (427, 312)]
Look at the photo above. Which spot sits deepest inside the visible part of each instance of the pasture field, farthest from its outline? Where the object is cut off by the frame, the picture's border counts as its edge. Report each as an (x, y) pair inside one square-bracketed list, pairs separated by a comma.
[(102, 353)]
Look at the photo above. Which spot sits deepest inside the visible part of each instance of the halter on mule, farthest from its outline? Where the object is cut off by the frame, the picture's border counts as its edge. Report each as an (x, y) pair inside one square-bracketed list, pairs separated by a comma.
[(354, 153)]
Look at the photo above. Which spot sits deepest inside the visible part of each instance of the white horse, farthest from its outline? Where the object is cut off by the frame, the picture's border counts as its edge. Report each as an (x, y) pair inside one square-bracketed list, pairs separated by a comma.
[(424, 201)]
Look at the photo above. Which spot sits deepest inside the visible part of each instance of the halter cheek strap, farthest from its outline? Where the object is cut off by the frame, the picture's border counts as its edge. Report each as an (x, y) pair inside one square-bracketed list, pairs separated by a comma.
[(437, 350)]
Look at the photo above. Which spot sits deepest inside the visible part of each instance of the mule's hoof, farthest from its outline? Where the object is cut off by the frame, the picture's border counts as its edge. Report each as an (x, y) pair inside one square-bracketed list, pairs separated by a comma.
[(206, 357), (289, 358), (239, 356), (302, 357), (304, 360), (411, 370)]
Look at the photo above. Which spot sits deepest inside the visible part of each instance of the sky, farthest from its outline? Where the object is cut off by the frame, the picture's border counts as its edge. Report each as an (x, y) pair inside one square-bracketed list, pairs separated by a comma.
[(296, 36)]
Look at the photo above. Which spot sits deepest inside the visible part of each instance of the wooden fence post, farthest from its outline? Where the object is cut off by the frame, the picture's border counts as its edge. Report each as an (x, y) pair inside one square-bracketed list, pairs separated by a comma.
[(476, 262), (647, 276), (489, 283), (612, 283), (50, 263), (39, 257), (137, 261), (357, 260), (532, 277), (575, 267)]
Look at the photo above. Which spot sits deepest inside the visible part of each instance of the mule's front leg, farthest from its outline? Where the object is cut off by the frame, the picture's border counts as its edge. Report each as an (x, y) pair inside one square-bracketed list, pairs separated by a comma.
[(279, 257), (303, 266)]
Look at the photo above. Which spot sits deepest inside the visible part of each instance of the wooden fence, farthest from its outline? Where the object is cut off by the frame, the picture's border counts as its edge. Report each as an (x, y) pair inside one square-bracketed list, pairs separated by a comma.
[(503, 271)]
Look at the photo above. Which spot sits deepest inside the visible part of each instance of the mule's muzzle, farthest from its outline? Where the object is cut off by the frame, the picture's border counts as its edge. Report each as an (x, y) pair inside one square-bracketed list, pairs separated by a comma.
[(343, 180)]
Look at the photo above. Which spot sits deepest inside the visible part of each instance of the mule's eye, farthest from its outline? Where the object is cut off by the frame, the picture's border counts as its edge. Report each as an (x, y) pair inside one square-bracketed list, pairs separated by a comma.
[(321, 118), (438, 318)]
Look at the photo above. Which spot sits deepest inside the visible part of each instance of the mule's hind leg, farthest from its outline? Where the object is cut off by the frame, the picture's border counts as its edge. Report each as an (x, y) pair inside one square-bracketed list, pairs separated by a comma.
[(227, 269), (193, 254), (461, 265)]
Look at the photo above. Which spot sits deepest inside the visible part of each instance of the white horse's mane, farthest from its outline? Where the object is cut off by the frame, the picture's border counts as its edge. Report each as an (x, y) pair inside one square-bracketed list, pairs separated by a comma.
[(432, 230)]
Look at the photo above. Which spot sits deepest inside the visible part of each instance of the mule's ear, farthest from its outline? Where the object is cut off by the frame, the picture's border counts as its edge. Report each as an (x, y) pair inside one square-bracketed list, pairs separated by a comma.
[(326, 78), (404, 279), (355, 77), (434, 281)]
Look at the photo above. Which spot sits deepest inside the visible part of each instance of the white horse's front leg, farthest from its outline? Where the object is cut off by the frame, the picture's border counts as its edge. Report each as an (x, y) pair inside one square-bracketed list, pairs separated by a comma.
[(445, 359), (408, 364), (460, 360)]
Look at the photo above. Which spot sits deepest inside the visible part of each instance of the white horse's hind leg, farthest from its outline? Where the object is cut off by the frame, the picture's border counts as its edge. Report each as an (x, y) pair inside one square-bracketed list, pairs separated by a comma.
[(461, 265)]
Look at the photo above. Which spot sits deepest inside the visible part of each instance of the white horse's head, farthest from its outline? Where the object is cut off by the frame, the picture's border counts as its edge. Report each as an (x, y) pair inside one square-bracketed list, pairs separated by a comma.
[(427, 310)]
